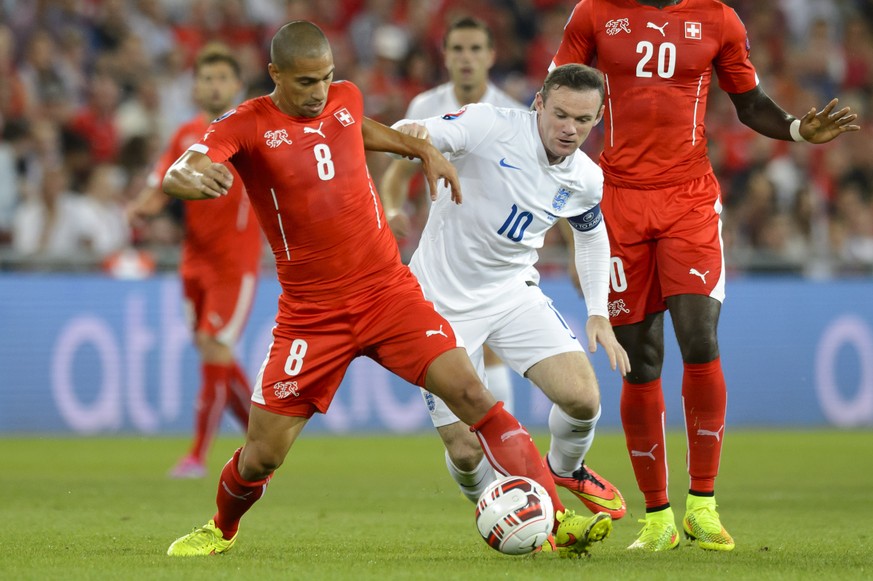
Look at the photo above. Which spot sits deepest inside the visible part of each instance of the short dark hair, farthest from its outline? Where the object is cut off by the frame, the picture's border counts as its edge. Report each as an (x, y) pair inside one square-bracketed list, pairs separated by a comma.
[(576, 77), (214, 53), (297, 39), (469, 23)]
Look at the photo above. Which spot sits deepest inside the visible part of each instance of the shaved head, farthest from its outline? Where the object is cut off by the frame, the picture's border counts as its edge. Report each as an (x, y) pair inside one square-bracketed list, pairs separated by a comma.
[(296, 40)]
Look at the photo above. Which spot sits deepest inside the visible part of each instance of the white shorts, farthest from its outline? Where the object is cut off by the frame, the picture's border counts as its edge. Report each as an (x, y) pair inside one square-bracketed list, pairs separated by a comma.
[(528, 331)]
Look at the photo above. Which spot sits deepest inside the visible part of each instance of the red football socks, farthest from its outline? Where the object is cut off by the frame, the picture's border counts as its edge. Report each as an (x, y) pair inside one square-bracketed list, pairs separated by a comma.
[(704, 400), (210, 404), (643, 417), (239, 395), (511, 451), (235, 496)]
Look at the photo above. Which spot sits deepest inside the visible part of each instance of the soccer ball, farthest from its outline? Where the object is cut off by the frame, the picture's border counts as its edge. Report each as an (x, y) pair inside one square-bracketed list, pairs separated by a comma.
[(514, 515)]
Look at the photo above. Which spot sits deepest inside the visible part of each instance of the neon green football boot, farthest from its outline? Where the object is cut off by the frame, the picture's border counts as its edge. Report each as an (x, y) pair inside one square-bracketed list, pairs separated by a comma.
[(576, 534), (659, 532), (206, 540), (701, 524)]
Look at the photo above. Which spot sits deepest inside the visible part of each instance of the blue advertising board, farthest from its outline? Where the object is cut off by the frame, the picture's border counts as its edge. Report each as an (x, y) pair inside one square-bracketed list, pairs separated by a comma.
[(86, 354)]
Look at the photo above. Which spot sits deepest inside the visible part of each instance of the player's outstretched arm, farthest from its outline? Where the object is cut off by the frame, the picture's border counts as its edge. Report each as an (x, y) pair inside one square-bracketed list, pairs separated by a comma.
[(759, 112), (378, 137), (195, 177)]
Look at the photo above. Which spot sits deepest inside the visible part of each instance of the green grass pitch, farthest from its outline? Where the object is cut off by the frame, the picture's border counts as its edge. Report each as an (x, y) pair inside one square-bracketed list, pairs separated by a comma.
[(798, 503)]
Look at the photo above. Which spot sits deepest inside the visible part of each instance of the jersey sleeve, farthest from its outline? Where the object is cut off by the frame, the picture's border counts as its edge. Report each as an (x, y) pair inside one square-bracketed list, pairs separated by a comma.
[(460, 132), (735, 71), (223, 137), (418, 108), (577, 44), (592, 262)]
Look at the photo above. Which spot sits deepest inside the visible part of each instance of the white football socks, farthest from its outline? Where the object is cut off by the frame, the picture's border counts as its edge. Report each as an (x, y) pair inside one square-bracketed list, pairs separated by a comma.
[(472, 484), (499, 381), (571, 440)]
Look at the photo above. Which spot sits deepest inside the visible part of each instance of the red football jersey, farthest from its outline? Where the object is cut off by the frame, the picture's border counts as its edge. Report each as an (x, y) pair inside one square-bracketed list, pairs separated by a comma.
[(308, 181), (221, 235), (657, 65)]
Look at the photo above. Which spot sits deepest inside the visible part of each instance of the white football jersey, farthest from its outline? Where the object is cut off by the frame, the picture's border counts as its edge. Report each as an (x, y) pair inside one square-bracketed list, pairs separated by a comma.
[(472, 256), (441, 99)]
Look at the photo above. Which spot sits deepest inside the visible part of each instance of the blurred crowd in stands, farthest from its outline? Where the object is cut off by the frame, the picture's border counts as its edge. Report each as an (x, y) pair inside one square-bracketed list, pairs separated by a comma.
[(90, 91)]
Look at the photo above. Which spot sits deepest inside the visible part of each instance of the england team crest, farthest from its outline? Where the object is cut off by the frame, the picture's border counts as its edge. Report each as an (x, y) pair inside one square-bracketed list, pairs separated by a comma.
[(560, 199)]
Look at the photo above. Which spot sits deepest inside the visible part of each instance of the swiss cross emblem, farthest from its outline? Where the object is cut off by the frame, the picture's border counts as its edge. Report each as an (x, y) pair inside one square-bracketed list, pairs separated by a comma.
[(344, 117), (693, 30)]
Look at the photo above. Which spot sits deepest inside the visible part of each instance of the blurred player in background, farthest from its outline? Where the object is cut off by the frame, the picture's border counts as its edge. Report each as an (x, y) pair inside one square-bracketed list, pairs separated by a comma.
[(345, 293), (220, 261), (521, 172), (468, 48), (662, 203)]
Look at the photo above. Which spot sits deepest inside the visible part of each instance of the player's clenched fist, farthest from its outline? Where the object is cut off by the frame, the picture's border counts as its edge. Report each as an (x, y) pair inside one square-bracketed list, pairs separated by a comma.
[(215, 180), (415, 130)]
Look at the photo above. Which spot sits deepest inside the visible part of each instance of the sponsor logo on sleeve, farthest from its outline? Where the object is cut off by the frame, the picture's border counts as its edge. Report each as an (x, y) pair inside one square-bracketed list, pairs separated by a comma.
[(225, 116), (455, 115)]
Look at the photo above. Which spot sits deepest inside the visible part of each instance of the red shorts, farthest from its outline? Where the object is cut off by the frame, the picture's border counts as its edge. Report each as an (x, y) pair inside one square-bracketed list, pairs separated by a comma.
[(664, 242), (314, 343), (219, 306)]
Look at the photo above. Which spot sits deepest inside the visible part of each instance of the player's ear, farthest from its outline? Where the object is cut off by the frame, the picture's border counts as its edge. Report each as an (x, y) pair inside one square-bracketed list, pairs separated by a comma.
[(600, 114), (539, 102), (274, 72)]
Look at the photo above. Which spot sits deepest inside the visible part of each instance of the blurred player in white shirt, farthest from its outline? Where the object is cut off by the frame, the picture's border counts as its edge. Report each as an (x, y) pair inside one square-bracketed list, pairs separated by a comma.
[(468, 47), (521, 171)]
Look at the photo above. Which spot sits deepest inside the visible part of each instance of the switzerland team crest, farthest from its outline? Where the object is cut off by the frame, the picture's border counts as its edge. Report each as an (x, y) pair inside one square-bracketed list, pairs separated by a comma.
[(344, 117), (693, 30)]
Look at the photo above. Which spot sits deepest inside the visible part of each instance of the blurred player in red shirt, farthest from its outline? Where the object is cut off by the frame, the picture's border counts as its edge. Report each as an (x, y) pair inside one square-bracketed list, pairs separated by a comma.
[(662, 204), (345, 293), (220, 262)]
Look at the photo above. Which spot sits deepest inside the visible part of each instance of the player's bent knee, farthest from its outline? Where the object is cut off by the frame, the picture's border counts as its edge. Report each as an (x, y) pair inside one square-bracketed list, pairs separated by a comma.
[(583, 408), (257, 463)]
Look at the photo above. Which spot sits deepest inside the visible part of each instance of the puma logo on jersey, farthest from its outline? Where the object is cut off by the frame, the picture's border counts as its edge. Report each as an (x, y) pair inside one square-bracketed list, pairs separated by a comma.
[(658, 28), (613, 27), (432, 332), (649, 454), (276, 138), (702, 275), (716, 434), (318, 131)]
